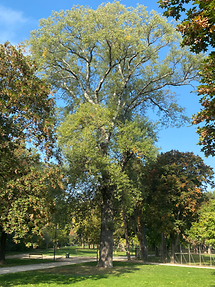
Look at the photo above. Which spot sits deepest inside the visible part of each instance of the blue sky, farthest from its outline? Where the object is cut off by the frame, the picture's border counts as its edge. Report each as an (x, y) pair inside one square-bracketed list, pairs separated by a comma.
[(18, 18)]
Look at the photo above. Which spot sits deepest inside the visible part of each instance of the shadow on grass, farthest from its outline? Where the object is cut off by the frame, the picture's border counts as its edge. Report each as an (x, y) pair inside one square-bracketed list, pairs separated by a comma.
[(19, 261), (213, 284), (66, 275)]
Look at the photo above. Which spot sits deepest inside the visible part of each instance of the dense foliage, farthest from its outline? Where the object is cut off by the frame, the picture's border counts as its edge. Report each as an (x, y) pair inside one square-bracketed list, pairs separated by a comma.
[(26, 115), (198, 31)]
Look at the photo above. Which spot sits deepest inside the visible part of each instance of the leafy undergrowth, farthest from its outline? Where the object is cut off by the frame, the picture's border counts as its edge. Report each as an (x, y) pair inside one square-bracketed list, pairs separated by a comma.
[(123, 274)]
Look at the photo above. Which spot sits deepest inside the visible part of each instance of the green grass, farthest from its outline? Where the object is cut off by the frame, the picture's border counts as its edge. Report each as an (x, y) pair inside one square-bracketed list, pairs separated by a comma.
[(73, 251), (76, 251), (184, 259), (123, 274), (17, 262), (195, 259)]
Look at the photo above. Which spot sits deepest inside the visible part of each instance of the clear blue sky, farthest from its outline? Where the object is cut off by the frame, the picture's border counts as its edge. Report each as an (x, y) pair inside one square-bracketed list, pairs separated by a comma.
[(18, 18)]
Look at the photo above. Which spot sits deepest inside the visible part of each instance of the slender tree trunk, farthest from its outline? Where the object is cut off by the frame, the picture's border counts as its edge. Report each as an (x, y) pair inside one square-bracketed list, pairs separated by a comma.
[(126, 236), (2, 246), (145, 244), (209, 249), (156, 251), (141, 243), (172, 257), (177, 241), (140, 232), (163, 248), (140, 237), (106, 244)]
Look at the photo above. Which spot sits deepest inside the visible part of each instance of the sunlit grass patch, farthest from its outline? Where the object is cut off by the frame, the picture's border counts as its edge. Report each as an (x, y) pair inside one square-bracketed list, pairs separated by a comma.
[(126, 274)]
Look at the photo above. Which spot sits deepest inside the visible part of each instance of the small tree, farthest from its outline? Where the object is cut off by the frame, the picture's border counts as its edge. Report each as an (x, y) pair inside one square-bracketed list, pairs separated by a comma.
[(202, 231)]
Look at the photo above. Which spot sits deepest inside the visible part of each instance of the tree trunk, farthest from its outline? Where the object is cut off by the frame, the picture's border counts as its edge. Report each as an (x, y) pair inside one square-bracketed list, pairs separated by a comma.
[(145, 244), (2, 246), (126, 236), (172, 257), (163, 248), (140, 233), (142, 243), (209, 249), (106, 243), (156, 251)]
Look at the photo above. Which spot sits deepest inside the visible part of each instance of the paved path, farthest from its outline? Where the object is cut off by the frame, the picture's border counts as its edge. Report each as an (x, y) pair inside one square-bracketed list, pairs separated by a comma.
[(63, 262), (75, 260)]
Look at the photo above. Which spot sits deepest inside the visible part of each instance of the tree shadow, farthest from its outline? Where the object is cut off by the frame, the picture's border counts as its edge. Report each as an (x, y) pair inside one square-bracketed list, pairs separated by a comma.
[(213, 284), (67, 275)]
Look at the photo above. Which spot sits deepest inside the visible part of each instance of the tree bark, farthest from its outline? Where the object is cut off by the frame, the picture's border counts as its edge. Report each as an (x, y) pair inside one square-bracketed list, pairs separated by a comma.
[(209, 249), (142, 241), (172, 257), (163, 248), (126, 236), (2, 246), (145, 244), (106, 243), (156, 251), (140, 233)]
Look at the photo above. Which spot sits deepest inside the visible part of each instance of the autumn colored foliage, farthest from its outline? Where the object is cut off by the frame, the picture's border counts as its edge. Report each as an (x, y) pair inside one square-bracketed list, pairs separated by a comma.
[(26, 109), (198, 27), (198, 30), (26, 115), (175, 183)]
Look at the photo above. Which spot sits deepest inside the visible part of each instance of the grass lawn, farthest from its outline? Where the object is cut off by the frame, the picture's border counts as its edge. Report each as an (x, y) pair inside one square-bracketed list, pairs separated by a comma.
[(17, 261), (76, 251), (73, 251), (123, 274)]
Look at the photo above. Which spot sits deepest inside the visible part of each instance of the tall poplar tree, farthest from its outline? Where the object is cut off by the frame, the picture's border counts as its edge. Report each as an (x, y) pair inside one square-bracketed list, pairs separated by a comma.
[(110, 64)]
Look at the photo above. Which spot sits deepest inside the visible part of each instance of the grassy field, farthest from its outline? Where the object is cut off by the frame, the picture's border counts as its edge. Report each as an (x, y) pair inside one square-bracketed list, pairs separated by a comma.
[(18, 261), (123, 274), (75, 251)]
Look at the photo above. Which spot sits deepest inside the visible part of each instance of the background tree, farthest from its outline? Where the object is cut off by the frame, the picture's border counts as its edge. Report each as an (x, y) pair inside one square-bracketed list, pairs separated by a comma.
[(25, 200), (87, 221), (198, 30), (26, 114), (51, 233), (108, 64), (134, 207), (175, 184), (202, 231), (198, 25), (27, 110)]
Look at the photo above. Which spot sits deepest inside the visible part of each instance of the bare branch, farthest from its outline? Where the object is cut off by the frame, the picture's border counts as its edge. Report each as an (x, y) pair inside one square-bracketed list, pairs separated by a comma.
[(111, 66)]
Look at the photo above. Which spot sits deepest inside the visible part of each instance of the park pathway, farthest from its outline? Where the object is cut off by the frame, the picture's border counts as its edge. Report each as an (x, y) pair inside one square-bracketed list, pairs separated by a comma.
[(76, 260), (62, 262)]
